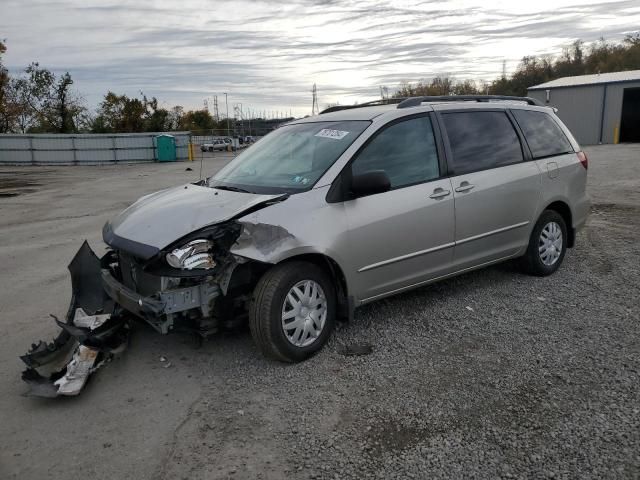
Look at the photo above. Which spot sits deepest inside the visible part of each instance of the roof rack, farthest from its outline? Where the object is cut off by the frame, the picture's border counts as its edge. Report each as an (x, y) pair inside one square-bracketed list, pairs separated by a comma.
[(386, 101), (416, 101)]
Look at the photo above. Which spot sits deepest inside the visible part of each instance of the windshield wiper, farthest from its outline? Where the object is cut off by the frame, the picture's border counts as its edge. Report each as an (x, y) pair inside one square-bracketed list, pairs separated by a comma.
[(231, 189)]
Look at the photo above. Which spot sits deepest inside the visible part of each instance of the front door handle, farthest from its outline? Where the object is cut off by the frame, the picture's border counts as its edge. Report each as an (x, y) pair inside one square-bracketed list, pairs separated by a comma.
[(439, 193), (465, 187)]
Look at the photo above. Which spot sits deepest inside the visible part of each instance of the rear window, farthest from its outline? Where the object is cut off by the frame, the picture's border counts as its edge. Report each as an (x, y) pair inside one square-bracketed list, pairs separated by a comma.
[(481, 140), (544, 136)]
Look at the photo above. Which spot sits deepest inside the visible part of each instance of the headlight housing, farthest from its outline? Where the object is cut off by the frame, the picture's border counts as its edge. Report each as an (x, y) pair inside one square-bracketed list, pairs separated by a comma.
[(195, 254)]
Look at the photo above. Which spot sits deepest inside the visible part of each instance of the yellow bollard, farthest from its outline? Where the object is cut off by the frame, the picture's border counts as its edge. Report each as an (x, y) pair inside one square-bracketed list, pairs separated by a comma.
[(616, 135), (190, 152)]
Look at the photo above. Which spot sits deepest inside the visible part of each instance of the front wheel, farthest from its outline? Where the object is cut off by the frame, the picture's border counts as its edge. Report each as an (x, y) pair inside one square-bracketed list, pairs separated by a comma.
[(547, 245), (292, 311)]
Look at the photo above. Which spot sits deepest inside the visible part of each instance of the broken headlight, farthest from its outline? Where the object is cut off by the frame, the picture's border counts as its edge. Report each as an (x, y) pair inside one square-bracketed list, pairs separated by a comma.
[(195, 254)]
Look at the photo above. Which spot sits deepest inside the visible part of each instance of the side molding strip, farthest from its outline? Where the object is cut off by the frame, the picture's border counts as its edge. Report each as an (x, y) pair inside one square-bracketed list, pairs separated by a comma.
[(492, 232), (406, 257), (441, 247)]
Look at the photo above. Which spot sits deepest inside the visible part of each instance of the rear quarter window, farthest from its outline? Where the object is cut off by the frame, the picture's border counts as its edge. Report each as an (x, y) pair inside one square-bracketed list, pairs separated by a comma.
[(481, 140), (544, 136)]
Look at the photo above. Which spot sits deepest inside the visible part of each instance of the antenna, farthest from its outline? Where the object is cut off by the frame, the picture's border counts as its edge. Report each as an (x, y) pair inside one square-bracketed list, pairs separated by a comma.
[(215, 108), (315, 110)]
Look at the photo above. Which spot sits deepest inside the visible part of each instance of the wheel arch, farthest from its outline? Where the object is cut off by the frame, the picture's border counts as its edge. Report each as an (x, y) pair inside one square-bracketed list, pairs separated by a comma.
[(563, 208), (329, 265)]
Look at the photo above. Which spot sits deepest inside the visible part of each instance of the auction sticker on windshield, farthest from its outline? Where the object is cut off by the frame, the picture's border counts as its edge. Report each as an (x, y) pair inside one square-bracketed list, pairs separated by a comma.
[(334, 134)]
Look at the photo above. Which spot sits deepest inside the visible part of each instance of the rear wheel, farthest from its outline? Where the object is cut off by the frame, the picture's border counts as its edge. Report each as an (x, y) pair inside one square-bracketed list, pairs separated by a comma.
[(547, 245), (292, 311)]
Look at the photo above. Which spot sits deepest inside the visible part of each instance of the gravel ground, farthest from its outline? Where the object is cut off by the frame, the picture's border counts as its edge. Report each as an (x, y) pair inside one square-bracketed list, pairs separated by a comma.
[(490, 374)]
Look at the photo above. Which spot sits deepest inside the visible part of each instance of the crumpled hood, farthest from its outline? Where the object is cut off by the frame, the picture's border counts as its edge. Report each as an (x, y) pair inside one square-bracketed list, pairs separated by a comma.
[(158, 219)]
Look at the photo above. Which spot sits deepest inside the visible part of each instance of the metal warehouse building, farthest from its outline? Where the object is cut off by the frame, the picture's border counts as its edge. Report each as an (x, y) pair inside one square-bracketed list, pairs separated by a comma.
[(602, 108)]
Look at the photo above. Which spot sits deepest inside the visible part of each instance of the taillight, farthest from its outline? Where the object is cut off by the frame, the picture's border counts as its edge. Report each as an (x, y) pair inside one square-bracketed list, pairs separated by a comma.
[(583, 159)]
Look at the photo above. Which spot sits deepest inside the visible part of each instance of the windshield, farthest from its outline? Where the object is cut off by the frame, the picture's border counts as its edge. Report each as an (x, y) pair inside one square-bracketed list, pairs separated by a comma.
[(290, 159)]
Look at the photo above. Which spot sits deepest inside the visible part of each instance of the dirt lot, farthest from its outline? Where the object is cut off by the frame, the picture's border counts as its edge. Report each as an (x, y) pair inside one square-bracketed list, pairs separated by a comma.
[(540, 378)]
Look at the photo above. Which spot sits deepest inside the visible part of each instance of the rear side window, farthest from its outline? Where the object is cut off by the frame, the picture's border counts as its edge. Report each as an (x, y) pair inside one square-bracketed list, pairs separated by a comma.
[(543, 134), (405, 151), (481, 140)]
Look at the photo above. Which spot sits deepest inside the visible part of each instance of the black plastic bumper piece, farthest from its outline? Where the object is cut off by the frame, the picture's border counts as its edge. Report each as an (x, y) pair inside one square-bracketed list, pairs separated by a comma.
[(132, 302)]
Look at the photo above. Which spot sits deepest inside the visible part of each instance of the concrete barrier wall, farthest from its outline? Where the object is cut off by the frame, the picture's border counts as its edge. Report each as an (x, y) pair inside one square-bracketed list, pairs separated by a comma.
[(85, 149)]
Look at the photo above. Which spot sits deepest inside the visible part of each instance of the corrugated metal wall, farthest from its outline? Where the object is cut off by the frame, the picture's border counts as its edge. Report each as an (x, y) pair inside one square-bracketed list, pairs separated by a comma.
[(84, 149), (580, 108)]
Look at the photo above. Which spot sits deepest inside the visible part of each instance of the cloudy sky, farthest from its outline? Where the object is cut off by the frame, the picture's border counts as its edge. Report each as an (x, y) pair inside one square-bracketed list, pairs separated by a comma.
[(268, 54)]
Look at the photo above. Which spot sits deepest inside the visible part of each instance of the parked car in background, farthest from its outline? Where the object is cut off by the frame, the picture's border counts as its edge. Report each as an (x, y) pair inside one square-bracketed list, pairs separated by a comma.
[(217, 144)]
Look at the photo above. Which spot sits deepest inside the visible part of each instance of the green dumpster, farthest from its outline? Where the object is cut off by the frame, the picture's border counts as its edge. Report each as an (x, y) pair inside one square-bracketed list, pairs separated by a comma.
[(166, 148)]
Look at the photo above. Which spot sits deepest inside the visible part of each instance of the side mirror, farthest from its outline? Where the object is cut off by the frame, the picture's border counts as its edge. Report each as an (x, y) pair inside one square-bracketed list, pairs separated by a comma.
[(370, 183)]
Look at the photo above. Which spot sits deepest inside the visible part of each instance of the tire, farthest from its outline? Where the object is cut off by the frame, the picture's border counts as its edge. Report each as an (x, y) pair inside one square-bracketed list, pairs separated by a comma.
[(534, 261), (268, 306)]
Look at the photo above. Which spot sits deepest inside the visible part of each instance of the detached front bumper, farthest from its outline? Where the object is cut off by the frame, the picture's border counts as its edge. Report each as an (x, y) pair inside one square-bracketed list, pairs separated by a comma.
[(96, 326), (94, 331)]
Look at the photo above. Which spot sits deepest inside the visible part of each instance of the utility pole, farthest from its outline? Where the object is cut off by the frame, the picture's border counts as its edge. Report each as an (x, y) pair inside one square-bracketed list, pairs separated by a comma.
[(238, 113), (226, 101), (215, 108)]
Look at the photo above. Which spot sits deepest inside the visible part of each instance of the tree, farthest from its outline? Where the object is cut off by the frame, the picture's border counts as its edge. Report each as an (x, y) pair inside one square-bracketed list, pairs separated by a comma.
[(63, 111), (437, 86), (174, 120), (197, 120), (467, 87), (120, 113), (598, 57), (155, 119), (44, 103), (6, 116), (32, 92)]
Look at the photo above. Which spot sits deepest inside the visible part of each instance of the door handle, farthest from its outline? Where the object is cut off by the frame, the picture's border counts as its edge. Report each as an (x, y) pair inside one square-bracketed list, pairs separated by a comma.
[(439, 193), (465, 187)]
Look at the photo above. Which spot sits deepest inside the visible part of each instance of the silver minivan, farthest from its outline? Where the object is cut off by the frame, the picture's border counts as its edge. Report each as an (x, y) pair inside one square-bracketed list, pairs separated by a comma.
[(334, 211)]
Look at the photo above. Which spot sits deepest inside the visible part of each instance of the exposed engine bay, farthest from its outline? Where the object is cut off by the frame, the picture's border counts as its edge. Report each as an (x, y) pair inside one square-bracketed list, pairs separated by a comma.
[(194, 285)]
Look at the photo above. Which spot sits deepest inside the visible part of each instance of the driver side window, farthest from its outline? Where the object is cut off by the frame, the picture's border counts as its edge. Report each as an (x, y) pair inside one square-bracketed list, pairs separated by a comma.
[(405, 151)]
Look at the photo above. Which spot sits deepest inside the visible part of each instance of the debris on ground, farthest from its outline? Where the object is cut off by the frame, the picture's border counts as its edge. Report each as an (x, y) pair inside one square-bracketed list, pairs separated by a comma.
[(94, 332)]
